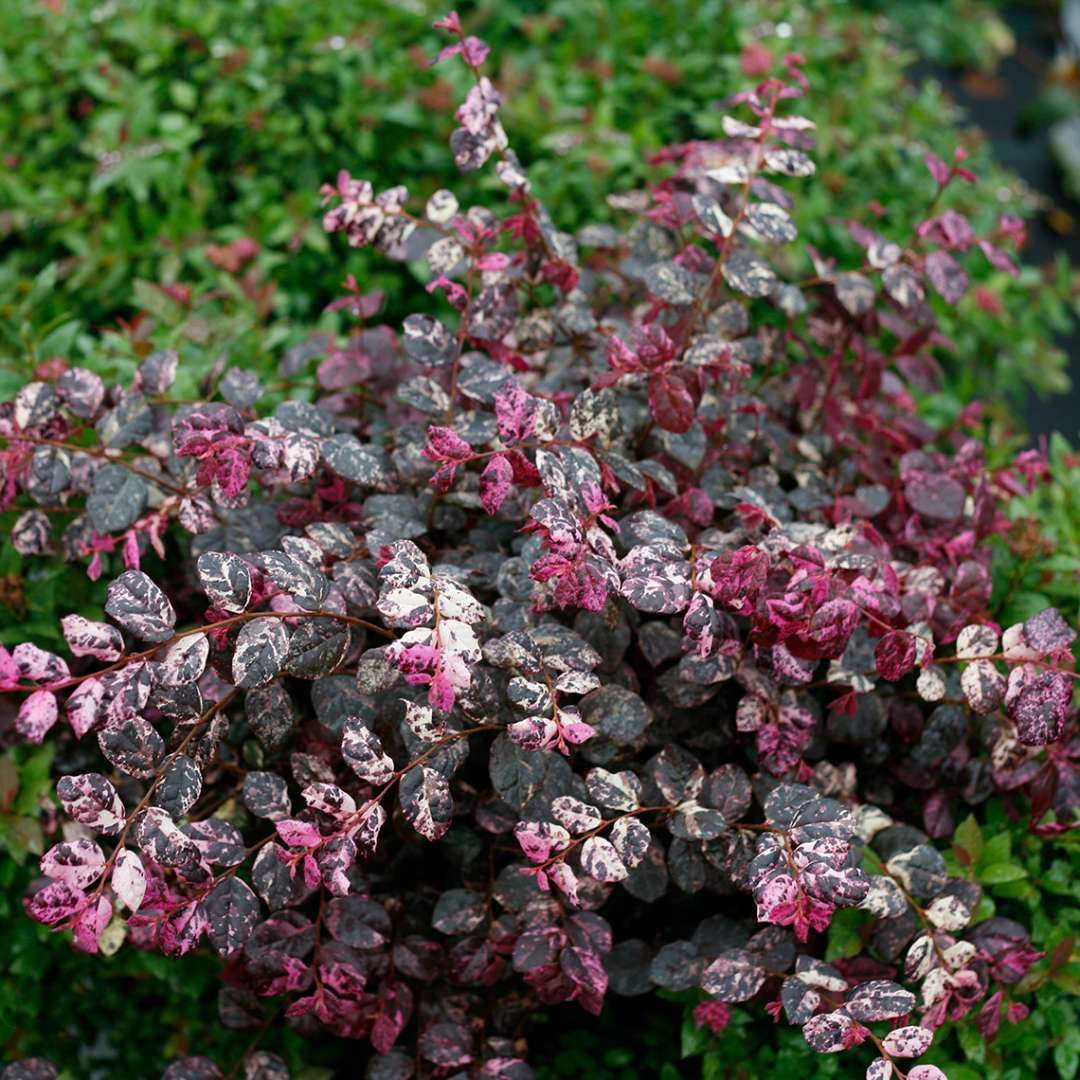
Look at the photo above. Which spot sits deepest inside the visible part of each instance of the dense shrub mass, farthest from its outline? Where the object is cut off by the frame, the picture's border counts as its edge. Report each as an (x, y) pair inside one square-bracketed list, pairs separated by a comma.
[(625, 627)]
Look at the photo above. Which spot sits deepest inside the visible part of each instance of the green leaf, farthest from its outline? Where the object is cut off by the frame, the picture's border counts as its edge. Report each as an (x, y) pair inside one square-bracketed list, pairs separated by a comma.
[(844, 938), (158, 303), (183, 95), (715, 1066), (34, 778), (964, 1072), (1000, 873), (59, 341), (997, 849), (1067, 1060), (968, 835), (695, 1038), (971, 1042), (22, 836)]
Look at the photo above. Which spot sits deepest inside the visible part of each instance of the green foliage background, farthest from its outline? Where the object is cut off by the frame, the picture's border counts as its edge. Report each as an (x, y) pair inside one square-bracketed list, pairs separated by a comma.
[(133, 133)]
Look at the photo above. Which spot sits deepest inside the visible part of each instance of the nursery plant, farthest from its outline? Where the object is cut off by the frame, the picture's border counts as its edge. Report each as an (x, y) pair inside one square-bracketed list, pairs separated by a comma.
[(620, 628)]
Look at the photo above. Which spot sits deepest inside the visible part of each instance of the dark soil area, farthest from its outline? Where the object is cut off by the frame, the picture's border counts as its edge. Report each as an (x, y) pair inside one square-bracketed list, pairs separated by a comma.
[(998, 105)]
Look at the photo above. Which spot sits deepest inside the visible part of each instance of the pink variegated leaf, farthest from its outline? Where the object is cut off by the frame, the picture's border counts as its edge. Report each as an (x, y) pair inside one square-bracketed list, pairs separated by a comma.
[(78, 863), (90, 923), (38, 665), (84, 706), (56, 903), (329, 799), (36, 716), (495, 483), (540, 839), (425, 800), (363, 753), (297, 833), (600, 860), (129, 879), (97, 639), (91, 800)]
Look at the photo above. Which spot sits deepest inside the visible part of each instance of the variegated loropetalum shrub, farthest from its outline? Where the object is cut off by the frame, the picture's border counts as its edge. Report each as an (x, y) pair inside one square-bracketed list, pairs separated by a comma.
[(637, 577)]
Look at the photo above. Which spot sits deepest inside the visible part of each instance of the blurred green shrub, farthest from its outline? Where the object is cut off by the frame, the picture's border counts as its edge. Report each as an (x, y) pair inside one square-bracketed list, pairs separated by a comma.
[(136, 134)]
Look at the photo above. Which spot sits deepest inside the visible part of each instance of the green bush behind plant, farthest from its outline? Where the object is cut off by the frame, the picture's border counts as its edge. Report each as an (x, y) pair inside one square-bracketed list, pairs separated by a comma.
[(134, 134), (225, 119)]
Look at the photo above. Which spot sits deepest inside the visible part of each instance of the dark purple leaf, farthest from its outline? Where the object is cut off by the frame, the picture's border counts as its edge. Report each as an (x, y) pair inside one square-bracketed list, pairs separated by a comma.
[(428, 341), (192, 1068), (677, 966), (938, 498), (225, 579), (116, 500), (133, 746), (733, 976), (266, 795), (140, 607), (459, 911), (361, 924), (179, 787), (425, 800), (231, 910), (261, 648), (880, 999), (948, 277), (446, 1045)]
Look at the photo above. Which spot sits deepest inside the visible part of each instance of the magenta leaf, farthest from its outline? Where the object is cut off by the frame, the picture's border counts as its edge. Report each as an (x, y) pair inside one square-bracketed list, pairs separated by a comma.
[(495, 482), (895, 655), (672, 402)]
